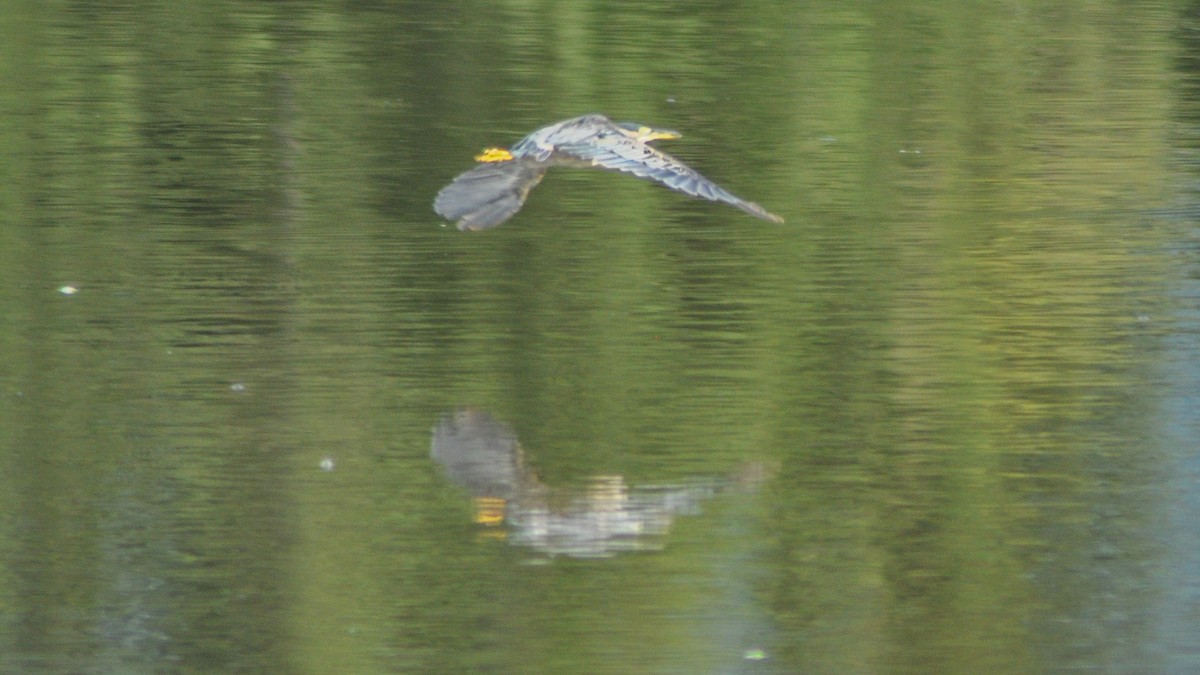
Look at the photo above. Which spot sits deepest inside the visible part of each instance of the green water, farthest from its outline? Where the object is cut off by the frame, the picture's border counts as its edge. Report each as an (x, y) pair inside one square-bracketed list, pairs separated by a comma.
[(942, 420)]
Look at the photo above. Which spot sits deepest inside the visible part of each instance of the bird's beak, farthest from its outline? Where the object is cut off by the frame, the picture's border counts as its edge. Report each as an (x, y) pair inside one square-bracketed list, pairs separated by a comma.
[(648, 134)]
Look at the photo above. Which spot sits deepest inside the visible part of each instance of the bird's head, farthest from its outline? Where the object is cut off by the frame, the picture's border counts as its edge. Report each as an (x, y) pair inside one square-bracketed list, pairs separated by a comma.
[(645, 134)]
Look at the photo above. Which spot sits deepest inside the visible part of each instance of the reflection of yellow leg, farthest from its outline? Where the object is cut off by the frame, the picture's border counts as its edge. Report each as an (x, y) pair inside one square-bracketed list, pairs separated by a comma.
[(607, 493), (489, 511)]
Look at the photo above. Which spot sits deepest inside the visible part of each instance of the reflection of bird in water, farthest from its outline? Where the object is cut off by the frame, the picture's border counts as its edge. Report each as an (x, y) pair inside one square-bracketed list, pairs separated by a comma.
[(603, 517), (490, 194)]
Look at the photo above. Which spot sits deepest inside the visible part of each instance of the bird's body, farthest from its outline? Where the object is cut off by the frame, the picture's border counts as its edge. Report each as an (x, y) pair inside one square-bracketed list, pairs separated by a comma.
[(491, 193)]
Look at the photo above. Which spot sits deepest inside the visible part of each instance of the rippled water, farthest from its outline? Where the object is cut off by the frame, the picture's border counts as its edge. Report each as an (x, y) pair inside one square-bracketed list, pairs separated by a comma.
[(262, 411)]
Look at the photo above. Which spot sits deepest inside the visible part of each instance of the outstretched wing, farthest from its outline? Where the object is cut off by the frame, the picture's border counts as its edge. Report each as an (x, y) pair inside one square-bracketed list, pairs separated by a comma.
[(489, 194), (617, 152)]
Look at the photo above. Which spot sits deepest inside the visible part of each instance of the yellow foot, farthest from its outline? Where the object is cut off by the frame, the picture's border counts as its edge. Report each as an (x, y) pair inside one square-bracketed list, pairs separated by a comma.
[(494, 155)]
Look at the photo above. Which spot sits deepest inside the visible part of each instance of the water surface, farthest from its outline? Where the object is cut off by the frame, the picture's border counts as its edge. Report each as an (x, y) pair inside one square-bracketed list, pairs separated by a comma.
[(261, 411)]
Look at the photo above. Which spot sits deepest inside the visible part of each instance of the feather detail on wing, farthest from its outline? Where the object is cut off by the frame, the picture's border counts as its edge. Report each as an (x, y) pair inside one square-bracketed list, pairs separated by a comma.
[(489, 194), (617, 152)]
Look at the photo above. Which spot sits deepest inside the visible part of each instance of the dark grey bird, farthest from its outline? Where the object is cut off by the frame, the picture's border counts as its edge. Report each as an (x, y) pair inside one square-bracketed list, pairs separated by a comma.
[(491, 193)]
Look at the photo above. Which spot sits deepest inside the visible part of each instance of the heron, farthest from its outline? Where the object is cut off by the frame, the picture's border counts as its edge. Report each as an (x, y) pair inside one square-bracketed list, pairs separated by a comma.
[(494, 191)]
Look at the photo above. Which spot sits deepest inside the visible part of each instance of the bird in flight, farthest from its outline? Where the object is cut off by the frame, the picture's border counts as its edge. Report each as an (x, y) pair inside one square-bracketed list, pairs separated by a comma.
[(494, 191)]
